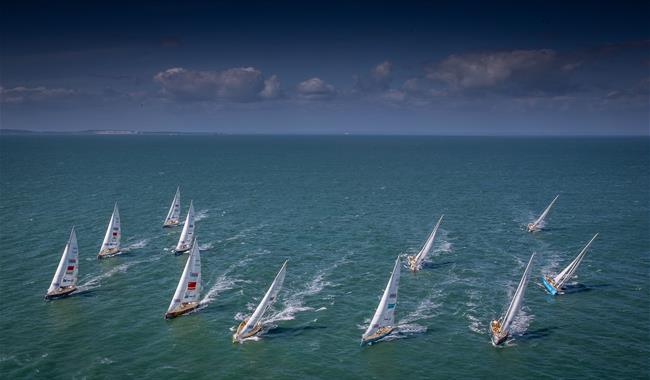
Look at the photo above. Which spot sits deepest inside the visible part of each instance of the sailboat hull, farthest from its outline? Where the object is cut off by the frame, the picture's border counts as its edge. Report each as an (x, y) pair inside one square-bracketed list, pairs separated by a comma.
[(60, 293), (498, 339), (550, 288), (170, 225), (371, 339), (104, 255), (238, 337), (180, 252), (181, 310)]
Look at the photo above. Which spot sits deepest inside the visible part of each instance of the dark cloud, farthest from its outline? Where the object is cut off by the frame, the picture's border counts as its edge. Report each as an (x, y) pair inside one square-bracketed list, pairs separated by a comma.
[(241, 84), (315, 89)]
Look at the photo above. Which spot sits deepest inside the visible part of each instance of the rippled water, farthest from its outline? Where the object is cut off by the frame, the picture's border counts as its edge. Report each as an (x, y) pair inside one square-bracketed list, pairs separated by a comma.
[(339, 209)]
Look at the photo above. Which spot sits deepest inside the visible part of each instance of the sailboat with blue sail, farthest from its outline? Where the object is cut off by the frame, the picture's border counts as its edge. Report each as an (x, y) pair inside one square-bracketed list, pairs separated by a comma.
[(555, 284)]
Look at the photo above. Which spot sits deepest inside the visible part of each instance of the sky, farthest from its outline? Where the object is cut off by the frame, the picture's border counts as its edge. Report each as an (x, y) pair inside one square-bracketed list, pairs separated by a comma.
[(334, 67)]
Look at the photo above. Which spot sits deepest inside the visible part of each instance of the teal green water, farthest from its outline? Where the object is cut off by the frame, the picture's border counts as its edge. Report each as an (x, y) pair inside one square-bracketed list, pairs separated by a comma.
[(340, 209)]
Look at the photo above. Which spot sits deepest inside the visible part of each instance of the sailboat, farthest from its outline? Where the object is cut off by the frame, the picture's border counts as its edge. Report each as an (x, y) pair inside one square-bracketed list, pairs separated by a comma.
[(416, 261), (383, 322), (555, 284), (252, 325), (188, 291), (111, 244), (65, 277), (535, 226), (500, 328), (185, 241), (174, 213)]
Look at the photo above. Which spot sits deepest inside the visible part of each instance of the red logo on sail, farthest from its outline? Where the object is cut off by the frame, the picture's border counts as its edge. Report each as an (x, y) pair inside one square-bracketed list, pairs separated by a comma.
[(191, 285)]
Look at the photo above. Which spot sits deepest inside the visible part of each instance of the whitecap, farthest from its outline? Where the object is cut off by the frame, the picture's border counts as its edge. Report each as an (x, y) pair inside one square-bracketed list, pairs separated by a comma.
[(206, 246), (137, 245), (202, 214)]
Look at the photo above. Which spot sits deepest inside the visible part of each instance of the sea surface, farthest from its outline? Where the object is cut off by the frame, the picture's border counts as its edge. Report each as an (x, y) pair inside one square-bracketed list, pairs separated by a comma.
[(340, 209)]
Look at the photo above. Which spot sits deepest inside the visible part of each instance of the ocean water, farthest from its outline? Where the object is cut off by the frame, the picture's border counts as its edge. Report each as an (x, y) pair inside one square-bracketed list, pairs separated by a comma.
[(340, 209)]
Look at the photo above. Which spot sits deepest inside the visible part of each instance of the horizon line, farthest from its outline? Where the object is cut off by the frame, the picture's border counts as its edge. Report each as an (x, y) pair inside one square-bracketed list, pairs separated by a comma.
[(127, 132)]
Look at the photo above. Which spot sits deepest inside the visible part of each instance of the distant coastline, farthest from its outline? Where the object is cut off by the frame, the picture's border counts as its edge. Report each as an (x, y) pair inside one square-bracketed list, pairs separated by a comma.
[(118, 132)]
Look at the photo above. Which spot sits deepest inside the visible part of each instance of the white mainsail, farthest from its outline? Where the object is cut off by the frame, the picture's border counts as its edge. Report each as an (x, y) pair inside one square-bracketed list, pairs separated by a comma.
[(419, 258), (518, 297), (266, 302), (189, 286), (385, 313), (188, 231), (67, 271), (174, 213), (570, 270), (539, 220), (111, 243)]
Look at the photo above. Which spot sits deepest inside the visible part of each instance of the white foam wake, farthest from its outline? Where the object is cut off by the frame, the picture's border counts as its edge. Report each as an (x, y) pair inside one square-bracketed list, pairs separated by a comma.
[(95, 281), (521, 322), (202, 214), (295, 302), (222, 283), (206, 246), (137, 245), (427, 309)]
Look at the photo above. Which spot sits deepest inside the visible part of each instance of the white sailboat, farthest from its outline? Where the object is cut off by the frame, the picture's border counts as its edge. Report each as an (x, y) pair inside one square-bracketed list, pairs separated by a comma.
[(188, 291), (111, 244), (535, 226), (415, 262), (500, 329), (187, 235), (65, 277), (174, 214), (383, 322), (252, 325), (555, 284)]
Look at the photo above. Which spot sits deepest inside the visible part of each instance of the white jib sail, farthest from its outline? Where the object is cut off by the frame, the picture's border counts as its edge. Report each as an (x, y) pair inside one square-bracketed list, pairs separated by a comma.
[(517, 298), (111, 241), (174, 213), (267, 301), (570, 270), (427, 246), (385, 313), (543, 215), (189, 286), (188, 231), (66, 272)]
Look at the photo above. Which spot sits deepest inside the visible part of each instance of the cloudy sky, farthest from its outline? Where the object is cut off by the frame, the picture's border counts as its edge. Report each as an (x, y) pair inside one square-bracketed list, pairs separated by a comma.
[(455, 68)]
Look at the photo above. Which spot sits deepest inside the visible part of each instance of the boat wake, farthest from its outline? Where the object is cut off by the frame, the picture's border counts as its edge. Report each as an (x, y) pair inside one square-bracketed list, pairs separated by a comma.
[(206, 246), (295, 302), (222, 284), (475, 324), (244, 232), (521, 322), (200, 215), (95, 281), (427, 309), (137, 245)]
